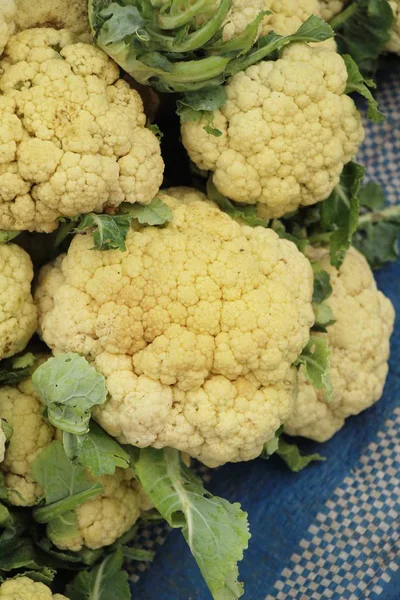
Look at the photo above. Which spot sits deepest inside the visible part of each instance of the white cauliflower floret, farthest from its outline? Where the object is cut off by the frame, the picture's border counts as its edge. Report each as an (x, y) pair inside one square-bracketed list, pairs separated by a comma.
[(23, 410), (23, 588), (195, 328), (73, 137), (394, 42), (330, 8), (287, 131), (3, 441), (7, 25), (102, 520), (58, 14), (359, 344), (18, 315)]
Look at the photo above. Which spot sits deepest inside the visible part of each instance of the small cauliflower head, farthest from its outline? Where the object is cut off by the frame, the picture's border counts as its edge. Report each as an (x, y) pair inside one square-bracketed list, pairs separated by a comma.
[(73, 137), (195, 328), (394, 42), (287, 128), (32, 433), (23, 588), (7, 24), (57, 14), (18, 315), (102, 520), (359, 344)]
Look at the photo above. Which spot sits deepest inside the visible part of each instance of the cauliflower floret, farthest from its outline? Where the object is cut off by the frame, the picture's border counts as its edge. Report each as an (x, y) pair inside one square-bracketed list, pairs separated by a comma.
[(195, 328), (18, 315), (104, 519), (23, 588), (23, 410), (359, 343), (287, 131), (394, 42), (3, 441), (329, 8), (58, 14), (7, 25), (73, 137)]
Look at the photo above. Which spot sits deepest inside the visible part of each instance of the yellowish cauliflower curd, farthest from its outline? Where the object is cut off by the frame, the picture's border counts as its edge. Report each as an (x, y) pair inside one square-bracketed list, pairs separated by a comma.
[(195, 328), (359, 343), (73, 137), (7, 25), (23, 588), (101, 520), (58, 14), (394, 42), (3, 440), (18, 315), (329, 8), (287, 128)]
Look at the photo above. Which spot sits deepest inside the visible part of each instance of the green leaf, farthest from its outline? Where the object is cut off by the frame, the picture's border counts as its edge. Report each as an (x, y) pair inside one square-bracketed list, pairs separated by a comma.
[(315, 359), (372, 196), (109, 232), (16, 369), (215, 530), (322, 284), (244, 213), (70, 387), (98, 452), (137, 554), (293, 458), (7, 429), (193, 105), (65, 484), (323, 317), (103, 582), (7, 236), (357, 83), (155, 213), (363, 30), (272, 446)]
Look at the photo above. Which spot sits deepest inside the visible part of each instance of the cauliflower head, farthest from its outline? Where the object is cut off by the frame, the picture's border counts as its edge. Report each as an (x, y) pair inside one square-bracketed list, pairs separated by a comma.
[(359, 344), (329, 8), (73, 137), (32, 433), (57, 14), (287, 128), (7, 24), (195, 328), (394, 42), (18, 315), (23, 588), (102, 520)]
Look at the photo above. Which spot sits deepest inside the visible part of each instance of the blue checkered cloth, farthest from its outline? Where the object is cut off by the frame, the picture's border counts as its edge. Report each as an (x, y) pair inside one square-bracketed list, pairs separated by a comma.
[(333, 530)]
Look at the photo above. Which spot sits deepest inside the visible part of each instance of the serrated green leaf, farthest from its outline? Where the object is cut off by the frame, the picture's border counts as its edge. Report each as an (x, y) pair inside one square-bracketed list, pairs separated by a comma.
[(16, 369), (378, 232), (109, 232), (215, 530), (357, 83), (322, 284), (7, 236), (323, 317), (293, 458), (315, 359), (70, 387), (155, 213), (105, 581)]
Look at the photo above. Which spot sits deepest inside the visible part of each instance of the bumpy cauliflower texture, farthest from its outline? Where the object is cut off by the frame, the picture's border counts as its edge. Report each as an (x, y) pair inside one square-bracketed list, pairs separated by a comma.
[(104, 519), (18, 315), (23, 588), (329, 8), (195, 328), (359, 343), (58, 14), (287, 131), (394, 42), (7, 25), (23, 410), (73, 136)]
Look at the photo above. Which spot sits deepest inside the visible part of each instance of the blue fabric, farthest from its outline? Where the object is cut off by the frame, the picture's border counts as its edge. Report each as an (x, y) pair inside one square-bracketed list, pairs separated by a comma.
[(332, 531)]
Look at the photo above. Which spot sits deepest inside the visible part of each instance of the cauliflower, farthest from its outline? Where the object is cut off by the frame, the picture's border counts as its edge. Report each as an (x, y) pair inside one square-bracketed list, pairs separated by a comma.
[(7, 25), (58, 14), (23, 410), (23, 588), (3, 441), (287, 131), (104, 519), (394, 42), (18, 315), (329, 8), (195, 328), (73, 137), (359, 343)]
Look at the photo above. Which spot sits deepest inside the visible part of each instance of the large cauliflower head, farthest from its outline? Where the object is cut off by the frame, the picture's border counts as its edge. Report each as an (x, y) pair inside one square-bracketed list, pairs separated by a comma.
[(195, 328), (57, 14), (359, 344), (32, 433), (7, 25), (73, 137), (18, 315), (102, 520), (287, 128), (23, 588)]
